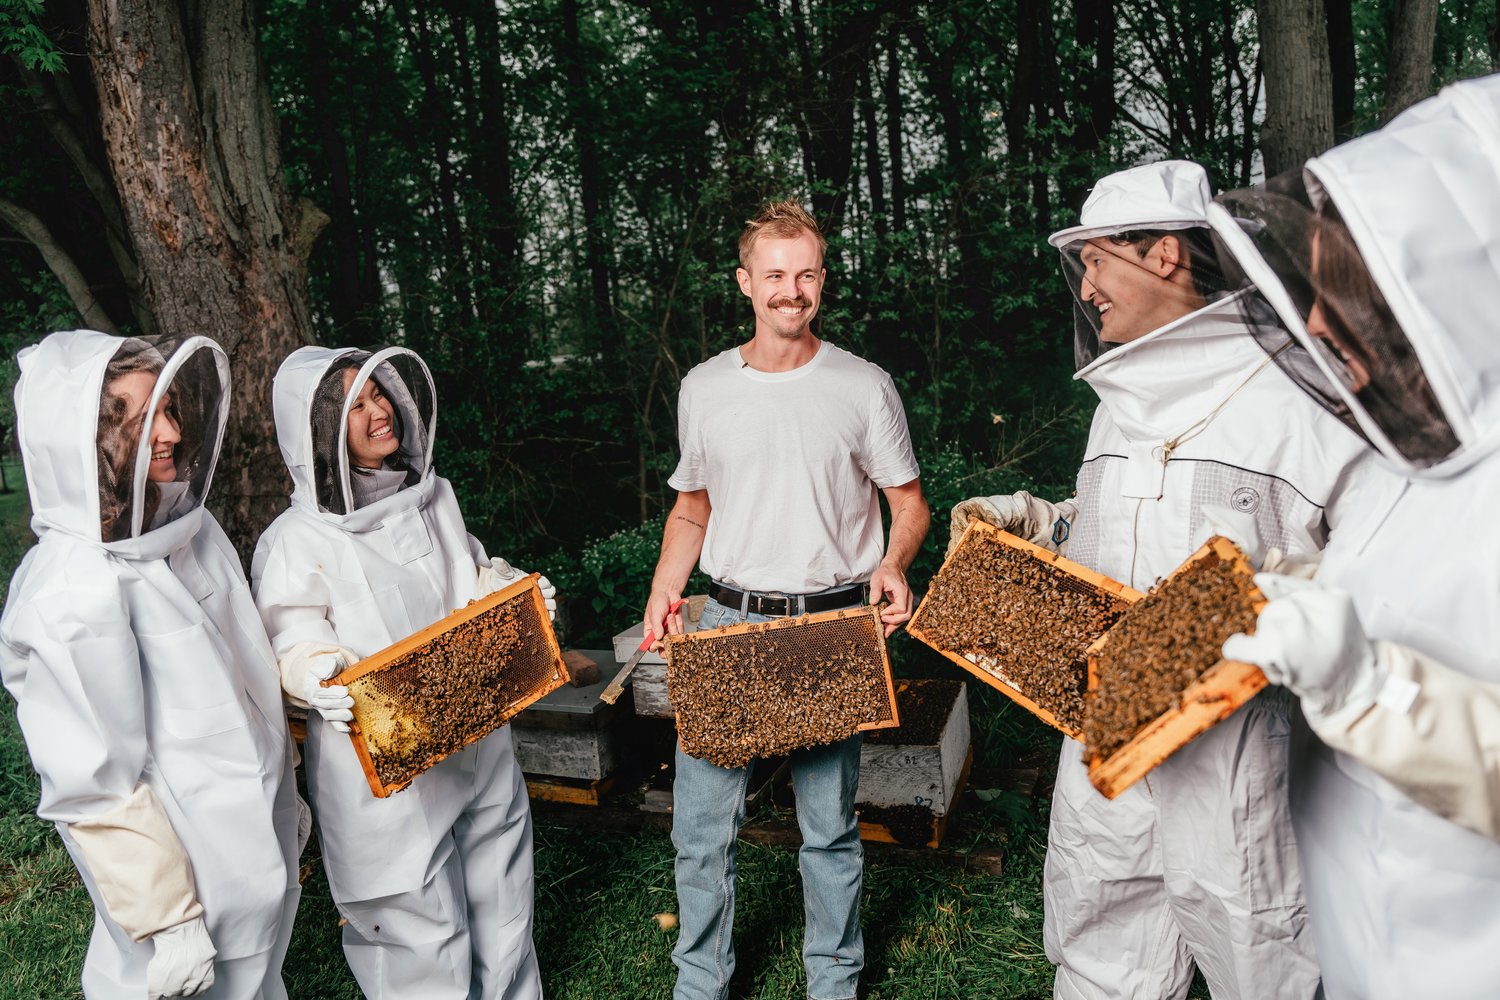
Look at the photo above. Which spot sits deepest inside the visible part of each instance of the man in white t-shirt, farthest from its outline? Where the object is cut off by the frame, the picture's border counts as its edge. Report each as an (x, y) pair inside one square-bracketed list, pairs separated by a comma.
[(787, 443)]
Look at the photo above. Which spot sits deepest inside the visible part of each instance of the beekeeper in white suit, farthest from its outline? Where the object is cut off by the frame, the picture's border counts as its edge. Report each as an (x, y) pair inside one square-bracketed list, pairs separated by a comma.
[(1196, 432), (1389, 281), (144, 684), (434, 881)]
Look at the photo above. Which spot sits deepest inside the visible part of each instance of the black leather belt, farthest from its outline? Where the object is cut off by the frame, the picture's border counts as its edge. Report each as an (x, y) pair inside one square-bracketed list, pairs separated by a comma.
[(789, 604)]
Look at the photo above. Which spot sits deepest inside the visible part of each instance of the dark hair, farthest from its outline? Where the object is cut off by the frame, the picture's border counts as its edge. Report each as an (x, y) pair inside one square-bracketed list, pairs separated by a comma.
[(1198, 253), (327, 415), (118, 441), (1355, 307)]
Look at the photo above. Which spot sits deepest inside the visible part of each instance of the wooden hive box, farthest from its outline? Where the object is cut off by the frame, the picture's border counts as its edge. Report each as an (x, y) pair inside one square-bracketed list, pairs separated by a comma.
[(1217, 693), (451, 684), (569, 743), (649, 682), (910, 777), (759, 689), (1020, 618)]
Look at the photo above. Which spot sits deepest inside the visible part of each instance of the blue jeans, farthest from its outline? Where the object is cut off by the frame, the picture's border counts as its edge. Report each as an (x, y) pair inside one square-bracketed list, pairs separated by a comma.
[(708, 806)]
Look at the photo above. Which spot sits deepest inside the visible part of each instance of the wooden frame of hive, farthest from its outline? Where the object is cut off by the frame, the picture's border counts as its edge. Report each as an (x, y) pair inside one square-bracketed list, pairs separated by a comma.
[(994, 675), (801, 621), (1215, 696), (399, 651)]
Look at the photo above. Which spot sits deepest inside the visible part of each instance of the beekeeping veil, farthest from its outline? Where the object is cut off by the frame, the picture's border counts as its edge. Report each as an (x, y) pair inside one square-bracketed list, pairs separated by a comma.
[(1108, 262), (315, 389), (89, 406), (1382, 259)]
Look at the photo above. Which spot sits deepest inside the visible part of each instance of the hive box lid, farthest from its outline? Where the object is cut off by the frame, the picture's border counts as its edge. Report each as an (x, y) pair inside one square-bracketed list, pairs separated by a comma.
[(572, 707), (628, 641)]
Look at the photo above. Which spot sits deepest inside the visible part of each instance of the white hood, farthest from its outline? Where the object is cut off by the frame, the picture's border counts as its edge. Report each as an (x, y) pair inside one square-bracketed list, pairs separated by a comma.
[(57, 402), (293, 392)]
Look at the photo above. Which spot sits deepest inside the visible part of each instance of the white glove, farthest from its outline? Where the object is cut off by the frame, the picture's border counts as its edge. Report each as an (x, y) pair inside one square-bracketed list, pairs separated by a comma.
[(1237, 526), (1021, 514), (333, 703), (1309, 639), (500, 574), (183, 965)]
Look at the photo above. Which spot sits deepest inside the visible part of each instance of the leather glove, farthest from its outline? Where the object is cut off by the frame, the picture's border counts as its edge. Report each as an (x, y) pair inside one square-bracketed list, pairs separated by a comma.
[(183, 965), (1309, 640), (1021, 514), (333, 703)]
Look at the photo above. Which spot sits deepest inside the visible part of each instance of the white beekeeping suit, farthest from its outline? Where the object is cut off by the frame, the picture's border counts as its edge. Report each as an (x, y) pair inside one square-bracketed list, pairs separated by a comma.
[(1385, 268), (434, 881), (145, 687), (1196, 864)]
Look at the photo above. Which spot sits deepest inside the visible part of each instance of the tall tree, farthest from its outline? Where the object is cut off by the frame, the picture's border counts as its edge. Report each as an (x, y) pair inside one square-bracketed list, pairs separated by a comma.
[(1299, 90), (191, 143), (1409, 62)]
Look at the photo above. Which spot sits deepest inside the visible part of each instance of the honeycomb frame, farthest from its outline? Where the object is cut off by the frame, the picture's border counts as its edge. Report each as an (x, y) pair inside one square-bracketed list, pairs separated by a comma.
[(986, 668), (1217, 694), (870, 615), (398, 653)]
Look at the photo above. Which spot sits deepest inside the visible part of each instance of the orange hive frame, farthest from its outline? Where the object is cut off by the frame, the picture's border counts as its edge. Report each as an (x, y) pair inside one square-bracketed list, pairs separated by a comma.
[(993, 675), (802, 621), (1209, 700), (397, 652)]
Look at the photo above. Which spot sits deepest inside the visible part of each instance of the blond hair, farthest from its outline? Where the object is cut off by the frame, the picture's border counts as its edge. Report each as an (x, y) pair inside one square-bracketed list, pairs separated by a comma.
[(780, 220)]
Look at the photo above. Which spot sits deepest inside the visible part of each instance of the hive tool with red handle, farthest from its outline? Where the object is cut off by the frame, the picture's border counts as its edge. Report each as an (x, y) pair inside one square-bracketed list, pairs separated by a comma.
[(616, 687)]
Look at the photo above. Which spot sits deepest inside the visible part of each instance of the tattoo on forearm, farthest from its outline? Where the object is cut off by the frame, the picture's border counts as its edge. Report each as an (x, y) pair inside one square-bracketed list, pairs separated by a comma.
[(679, 517)]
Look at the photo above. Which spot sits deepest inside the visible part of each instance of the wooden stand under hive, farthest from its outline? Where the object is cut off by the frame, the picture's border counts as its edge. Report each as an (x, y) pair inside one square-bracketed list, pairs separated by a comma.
[(758, 689), (451, 684), (1021, 618), (910, 778), (1157, 680)]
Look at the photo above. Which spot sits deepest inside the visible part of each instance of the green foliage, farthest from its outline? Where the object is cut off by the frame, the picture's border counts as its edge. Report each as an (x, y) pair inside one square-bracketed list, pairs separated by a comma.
[(24, 39)]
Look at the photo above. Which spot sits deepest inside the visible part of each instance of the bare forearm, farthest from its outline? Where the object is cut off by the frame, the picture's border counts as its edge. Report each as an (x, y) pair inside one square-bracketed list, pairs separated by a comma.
[(681, 543), (910, 519)]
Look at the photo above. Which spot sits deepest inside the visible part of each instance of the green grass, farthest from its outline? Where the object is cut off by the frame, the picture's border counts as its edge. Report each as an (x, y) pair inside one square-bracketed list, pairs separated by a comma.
[(930, 931)]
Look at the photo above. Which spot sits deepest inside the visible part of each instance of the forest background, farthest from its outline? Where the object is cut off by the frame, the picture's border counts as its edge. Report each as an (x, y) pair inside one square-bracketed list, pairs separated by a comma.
[(543, 199)]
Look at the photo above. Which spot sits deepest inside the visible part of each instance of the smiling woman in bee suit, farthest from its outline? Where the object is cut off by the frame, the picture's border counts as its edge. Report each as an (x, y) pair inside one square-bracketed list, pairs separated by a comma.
[(1195, 433), (1384, 260), (434, 881), (144, 684)]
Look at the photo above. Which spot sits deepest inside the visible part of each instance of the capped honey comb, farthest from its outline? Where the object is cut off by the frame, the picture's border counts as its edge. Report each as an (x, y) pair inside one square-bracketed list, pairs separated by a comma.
[(1158, 679), (451, 684), (1020, 618), (758, 689)]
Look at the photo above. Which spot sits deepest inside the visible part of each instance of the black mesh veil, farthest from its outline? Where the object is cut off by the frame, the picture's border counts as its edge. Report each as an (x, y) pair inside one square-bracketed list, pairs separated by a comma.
[(401, 385), (1346, 350), (1127, 284), (163, 406)]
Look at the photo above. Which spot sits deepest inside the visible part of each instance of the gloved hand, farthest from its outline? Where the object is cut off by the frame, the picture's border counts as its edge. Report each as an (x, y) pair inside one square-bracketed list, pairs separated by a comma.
[(1309, 639), (183, 965), (500, 574), (333, 702), (1021, 514), (1237, 526)]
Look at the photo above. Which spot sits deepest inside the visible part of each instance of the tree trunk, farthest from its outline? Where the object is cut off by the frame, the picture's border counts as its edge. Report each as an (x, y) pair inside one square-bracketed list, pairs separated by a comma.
[(1408, 65), (192, 145), (1299, 90), (590, 176), (893, 135), (1342, 65), (62, 266)]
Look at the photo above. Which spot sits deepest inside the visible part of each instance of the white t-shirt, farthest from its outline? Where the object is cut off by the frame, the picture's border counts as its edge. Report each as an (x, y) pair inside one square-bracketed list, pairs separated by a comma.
[(793, 463)]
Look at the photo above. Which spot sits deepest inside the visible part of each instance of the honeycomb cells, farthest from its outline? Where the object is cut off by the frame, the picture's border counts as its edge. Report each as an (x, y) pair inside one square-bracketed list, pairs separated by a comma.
[(1168, 641), (459, 687), (748, 691), (1021, 619)]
